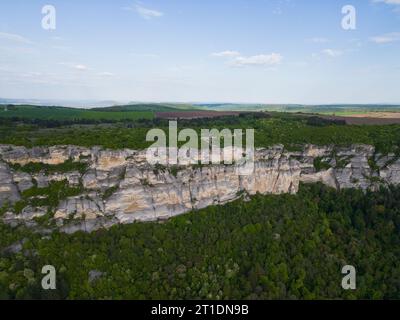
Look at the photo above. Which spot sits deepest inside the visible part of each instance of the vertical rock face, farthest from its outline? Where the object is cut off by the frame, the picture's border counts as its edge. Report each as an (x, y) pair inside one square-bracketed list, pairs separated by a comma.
[(390, 169), (119, 186), (357, 173), (23, 181), (8, 190)]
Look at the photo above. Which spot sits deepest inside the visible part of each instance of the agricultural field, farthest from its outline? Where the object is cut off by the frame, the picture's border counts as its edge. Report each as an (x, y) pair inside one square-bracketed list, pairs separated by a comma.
[(197, 111), (334, 110), (378, 115), (195, 114)]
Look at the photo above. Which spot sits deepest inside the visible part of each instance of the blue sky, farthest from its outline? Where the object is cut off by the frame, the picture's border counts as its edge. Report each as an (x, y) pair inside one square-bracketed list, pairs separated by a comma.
[(258, 51)]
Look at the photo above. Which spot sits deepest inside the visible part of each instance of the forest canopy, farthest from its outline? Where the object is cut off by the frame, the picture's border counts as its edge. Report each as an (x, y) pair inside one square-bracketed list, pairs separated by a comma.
[(276, 246)]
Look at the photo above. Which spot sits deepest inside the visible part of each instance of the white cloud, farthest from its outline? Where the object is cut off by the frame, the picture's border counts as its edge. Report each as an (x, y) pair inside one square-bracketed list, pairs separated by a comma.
[(14, 38), (227, 53), (148, 13), (145, 55), (258, 60), (80, 67), (332, 53), (145, 13), (238, 60), (318, 40), (105, 74), (75, 66), (394, 2), (386, 38), (62, 48)]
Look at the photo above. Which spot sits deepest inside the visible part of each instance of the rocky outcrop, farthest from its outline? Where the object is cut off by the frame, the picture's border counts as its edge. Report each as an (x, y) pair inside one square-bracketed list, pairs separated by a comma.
[(8, 190), (120, 186)]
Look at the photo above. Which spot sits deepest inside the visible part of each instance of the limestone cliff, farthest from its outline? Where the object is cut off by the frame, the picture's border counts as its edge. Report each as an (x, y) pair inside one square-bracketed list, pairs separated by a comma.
[(121, 187)]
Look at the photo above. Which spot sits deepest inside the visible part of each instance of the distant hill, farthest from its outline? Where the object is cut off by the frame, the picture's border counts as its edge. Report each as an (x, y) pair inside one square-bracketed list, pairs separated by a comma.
[(65, 113), (56, 102), (114, 113), (245, 107), (153, 107), (295, 108), (134, 111)]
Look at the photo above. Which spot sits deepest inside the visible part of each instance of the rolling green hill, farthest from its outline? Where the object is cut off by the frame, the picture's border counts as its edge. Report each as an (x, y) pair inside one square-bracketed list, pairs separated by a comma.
[(339, 109), (150, 107), (146, 110), (64, 113), (114, 113)]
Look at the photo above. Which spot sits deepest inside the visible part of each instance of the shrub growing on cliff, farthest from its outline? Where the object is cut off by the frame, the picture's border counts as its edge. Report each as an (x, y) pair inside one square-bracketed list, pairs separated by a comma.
[(49, 196), (67, 166), (321, 165)]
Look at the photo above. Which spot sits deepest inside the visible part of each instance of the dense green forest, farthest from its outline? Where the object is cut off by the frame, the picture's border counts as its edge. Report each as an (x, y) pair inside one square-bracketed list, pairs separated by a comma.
[(281, 246), (41, 114), (64, 113), (270, 129)]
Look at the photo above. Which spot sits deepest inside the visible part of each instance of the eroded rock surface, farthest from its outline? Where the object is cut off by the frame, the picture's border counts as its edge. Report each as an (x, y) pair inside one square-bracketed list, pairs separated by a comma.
[(119, 186)]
